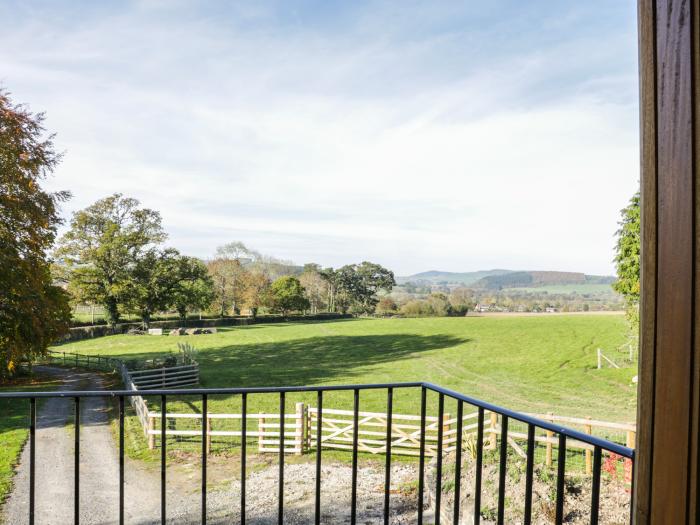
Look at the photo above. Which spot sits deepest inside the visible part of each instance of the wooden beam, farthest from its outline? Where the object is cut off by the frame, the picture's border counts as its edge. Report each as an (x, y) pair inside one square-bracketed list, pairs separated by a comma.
[(666, 463)]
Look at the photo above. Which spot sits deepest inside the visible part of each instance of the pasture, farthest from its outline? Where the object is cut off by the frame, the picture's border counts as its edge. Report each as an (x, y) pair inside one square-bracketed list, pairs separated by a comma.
[(534, 364)]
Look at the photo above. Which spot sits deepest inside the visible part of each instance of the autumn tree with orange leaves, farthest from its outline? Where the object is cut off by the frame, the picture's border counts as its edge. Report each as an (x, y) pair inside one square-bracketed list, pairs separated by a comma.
[(33, 311)]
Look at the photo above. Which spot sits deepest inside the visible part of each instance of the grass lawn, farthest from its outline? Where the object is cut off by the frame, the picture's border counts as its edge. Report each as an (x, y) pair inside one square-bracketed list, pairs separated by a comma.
[(14, 426), (535, 364)]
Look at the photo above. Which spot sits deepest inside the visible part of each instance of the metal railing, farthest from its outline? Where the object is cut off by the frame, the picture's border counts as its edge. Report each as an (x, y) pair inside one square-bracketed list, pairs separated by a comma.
[(599, 445)]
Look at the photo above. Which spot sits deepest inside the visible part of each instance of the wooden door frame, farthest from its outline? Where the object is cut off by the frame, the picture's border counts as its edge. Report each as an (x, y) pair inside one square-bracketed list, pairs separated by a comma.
[(666, 466)]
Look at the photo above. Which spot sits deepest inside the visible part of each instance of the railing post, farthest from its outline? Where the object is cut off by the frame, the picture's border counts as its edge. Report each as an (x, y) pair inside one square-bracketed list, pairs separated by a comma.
[(492, 429), (300, 430), (588, 429)]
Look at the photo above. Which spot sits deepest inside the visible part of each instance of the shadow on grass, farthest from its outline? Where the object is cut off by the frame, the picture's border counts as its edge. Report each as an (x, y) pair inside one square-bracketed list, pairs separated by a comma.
[(309, 361)]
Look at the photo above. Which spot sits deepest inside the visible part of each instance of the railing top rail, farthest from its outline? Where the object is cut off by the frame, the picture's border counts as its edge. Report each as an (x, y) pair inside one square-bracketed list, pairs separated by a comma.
[(208, 391), (518, 416), (539, 423)]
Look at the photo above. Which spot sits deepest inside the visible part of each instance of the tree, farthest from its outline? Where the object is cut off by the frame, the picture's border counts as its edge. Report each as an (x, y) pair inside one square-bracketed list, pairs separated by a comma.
[(386, 306), (315, 285), (287, 294), (195, 290), (229, 275), (164, 279), (102, 248), (257, 289), (34, 312), (361, 282), (627, 251), (461, 300)]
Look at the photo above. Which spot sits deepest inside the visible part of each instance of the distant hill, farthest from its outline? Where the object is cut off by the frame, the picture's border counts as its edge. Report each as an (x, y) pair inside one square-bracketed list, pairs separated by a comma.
[(438, 277), (504, 279)]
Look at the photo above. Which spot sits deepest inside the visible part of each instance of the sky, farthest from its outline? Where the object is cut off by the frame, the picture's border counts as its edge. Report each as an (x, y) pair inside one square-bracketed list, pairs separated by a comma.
[(451, 136)]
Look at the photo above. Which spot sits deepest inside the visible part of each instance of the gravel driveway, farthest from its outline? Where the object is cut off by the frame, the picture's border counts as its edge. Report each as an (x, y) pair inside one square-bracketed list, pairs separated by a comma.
[(99, 475)]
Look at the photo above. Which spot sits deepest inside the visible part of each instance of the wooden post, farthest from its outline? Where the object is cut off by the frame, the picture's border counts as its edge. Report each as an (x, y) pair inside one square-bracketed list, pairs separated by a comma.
[(261, 433), (588, 429), (550, 438), (151, 436), (600, 364), (494, 434), (300, 431), (445, 428), (208, 423)]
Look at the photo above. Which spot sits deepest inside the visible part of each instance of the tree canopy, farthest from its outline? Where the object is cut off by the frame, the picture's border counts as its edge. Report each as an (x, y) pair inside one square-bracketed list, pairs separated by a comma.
[(102, 248), (33, 311), (627, 253), (287, 295)]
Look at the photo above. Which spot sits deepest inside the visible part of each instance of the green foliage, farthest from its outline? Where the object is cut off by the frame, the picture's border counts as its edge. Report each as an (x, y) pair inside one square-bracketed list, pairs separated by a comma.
[(287, 295), (627, 252), (33, 312), (195, 289), (436, 305), (102, 248), (358, 285), (162, 279)]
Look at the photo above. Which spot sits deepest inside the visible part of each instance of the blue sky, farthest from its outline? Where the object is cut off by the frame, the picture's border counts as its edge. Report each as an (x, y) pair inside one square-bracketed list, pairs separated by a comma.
[(421, 135)]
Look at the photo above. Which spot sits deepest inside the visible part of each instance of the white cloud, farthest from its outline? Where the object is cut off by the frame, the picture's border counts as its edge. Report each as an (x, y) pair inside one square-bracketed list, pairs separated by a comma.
[(419, 153)]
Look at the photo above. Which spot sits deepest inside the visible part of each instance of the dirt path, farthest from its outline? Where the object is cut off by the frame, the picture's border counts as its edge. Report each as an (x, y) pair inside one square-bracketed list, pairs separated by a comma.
[(99, 476)]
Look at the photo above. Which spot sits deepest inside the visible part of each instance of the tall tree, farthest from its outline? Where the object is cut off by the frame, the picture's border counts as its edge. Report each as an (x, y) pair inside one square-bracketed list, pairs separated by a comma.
[(33, 312), (229, 275), (287, 294), (627, 252), (256, 292), (315, 285), (195, 290), (164, 279), (361, 282), (102, 247)]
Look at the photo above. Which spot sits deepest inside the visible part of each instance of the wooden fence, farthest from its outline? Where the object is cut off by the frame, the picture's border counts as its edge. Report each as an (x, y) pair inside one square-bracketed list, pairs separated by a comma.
[(337, 431), (300, 427)]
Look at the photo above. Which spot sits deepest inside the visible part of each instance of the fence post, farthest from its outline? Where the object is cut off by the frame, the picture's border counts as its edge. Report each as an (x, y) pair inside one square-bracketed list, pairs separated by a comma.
[(208, 423), (445, 428), (550, 437), (631, 434), (600, 364), (261, 433), (494, 434), (151, 436), (300, 430), (588, 429)]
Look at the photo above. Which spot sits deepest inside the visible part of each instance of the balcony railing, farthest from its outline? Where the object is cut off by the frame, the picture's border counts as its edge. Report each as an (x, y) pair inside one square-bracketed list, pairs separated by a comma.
[(532, 424)]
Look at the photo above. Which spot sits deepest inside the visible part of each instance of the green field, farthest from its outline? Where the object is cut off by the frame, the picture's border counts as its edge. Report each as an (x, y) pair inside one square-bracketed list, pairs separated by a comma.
[(534, 364), (581, 289)]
